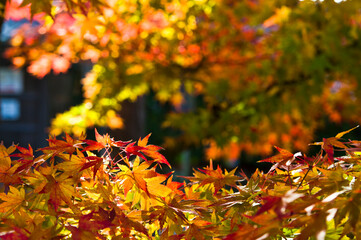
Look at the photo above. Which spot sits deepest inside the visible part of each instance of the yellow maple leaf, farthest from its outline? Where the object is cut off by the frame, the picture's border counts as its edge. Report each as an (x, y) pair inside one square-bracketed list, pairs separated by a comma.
[(12, 200)]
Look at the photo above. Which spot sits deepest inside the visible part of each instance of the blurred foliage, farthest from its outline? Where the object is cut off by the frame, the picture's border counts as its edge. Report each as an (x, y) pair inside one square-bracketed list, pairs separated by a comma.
[(263, 72)]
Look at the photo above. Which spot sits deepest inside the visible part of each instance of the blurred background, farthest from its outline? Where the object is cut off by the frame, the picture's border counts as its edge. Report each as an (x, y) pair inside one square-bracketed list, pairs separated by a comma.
[(210, 79)]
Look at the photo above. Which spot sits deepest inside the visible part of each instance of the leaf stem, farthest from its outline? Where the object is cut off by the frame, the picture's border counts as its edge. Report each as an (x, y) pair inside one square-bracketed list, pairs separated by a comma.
[(299, 185)]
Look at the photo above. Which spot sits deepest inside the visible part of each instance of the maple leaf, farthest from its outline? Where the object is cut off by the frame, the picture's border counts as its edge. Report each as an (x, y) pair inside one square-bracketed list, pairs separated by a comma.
[(89, 226), (12, 200), (268, 226), (271, 202), (72, 163), (245, 231), (130, 150), (175, 186), (328, 145), (7, 171), (26, 154), (173, 210), (278, 203), (77, 163), (283, 155), (127, 223), (59, 146), (61, 188), (156, 188), (340, 135), (37, 178), (5, 160), (80, 234), (26, 159), (95, 162), (156, 156), (283, 159), (103, 142), (215, 177), (143, 142), (100, 143), (134, 176), (106, 216), (143, 149), (194, 232)]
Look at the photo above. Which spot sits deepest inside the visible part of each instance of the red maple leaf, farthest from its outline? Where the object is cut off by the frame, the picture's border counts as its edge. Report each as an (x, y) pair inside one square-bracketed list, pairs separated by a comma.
[(95, 162)]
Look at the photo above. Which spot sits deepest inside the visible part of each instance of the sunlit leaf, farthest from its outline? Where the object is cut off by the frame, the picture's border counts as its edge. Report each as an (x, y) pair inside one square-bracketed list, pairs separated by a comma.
[(12, 200)]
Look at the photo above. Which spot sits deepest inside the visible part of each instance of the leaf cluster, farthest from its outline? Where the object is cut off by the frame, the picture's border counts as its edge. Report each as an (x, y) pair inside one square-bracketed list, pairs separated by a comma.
[(108, 189)]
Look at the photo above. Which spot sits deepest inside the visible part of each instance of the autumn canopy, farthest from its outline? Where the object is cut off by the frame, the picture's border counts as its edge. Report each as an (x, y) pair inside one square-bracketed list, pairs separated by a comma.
[(240, 75)]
